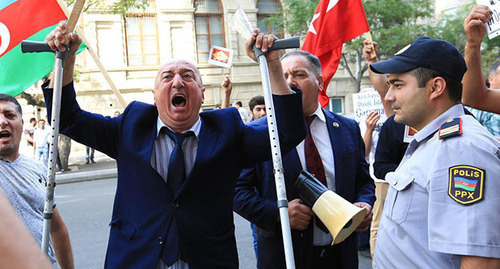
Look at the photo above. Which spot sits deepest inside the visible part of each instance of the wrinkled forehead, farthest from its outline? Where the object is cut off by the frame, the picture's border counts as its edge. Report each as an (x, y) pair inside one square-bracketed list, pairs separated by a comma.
[(6, 106), (179, 66), (294, 63)]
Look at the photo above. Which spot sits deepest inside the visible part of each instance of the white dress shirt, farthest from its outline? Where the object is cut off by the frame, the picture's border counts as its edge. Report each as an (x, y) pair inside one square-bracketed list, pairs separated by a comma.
[(321, 139)]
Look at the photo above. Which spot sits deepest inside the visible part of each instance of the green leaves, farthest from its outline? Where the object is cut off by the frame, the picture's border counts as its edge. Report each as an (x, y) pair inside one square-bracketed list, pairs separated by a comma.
[(393, 24), (295, 16)]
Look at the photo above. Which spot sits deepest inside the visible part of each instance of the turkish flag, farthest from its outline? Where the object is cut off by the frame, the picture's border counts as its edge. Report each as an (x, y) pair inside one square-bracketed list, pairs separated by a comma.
[(334, 23)]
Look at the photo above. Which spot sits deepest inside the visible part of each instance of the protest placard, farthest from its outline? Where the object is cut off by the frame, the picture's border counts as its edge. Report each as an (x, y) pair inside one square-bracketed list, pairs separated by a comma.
[(365, 102), (220, 56), (493, 26)]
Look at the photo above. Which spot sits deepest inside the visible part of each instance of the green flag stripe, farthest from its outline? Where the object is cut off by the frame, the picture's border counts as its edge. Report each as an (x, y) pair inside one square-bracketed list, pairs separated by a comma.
[(461, 186), (18, 71)]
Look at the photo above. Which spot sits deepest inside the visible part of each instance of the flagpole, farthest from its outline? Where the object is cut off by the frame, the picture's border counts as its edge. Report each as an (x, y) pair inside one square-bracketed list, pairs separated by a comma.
[(101, 67)]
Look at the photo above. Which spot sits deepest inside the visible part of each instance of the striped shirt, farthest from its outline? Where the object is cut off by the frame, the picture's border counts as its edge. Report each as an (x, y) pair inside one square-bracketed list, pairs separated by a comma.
[(160, 156), (491, 121)]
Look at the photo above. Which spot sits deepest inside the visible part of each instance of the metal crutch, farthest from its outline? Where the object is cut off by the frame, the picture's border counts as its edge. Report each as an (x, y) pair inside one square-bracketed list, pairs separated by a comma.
[(32, 46), (279, 178), (239, 23)]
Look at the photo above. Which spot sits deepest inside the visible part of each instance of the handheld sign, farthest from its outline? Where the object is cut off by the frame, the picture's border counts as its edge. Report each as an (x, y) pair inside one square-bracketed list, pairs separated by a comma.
[(220, 56), (493, 26), (366, 101)]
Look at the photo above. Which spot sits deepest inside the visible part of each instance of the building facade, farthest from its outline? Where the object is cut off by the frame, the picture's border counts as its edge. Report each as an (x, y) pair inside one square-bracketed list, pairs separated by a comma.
[(132, 47)]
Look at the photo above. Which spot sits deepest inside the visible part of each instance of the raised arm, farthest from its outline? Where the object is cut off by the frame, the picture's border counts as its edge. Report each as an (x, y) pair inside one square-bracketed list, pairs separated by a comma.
[(276, 77), (227, 88), (371, 121), (379, 81), (475, 93), (57, 39)]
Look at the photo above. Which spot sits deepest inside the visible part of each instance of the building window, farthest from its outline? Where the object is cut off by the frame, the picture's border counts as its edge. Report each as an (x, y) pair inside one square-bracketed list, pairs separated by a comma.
[(267, 8), (336, 105), (142, 39), (209, 27)]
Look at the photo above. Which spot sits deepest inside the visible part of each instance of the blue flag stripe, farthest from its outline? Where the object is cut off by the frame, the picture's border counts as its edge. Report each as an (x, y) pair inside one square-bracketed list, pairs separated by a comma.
[(466, 180), (5, 3)]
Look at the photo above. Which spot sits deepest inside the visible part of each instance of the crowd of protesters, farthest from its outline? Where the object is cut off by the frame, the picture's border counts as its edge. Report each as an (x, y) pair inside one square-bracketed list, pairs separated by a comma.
[(430, 201)]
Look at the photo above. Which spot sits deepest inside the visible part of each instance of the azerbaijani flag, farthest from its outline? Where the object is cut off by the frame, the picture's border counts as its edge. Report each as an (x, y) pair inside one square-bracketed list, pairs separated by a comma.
[(466, 184), (20, 20)]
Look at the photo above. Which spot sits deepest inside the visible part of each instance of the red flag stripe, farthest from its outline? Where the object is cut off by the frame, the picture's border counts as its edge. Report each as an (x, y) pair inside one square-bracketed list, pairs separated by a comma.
[(27, 17)]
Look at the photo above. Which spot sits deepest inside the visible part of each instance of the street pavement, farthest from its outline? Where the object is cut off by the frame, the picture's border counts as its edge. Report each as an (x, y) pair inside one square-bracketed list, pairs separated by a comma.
[(86, 209), (84, 196)]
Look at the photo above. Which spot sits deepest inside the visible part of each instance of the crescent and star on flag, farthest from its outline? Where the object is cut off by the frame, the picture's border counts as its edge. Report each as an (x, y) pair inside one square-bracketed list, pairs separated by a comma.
[(331, 4), (4, 38)]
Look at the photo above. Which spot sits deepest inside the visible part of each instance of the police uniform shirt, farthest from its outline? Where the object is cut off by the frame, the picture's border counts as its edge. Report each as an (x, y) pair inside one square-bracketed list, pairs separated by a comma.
[(443, 202)]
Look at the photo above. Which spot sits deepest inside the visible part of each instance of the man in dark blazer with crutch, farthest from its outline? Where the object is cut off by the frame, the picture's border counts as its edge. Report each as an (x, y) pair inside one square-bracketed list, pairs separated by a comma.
[(173, 203)]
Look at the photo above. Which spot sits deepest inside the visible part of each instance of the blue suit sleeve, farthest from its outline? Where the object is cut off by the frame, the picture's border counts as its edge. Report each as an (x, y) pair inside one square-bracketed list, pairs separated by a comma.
[(252, 206), (93, 130), (291, 130), (390, 148)]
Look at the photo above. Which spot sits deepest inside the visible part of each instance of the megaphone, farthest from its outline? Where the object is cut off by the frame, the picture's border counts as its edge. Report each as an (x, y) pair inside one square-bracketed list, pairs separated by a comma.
[(339, 216)]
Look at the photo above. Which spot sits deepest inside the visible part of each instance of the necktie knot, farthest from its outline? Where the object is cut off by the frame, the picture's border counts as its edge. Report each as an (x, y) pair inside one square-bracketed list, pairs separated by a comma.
[(178, 138), (309, 120)]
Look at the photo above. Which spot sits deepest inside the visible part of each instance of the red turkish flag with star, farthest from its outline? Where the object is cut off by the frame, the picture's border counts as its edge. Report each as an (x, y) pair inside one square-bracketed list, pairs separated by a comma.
[(334, 23)]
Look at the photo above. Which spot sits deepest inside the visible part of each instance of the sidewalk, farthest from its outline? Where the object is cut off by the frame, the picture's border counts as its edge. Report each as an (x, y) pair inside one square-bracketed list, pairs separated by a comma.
[(103, 168)]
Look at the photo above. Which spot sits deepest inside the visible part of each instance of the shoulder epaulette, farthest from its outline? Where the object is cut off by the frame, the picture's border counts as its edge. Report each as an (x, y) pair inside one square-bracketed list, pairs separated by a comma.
[(450, 128)]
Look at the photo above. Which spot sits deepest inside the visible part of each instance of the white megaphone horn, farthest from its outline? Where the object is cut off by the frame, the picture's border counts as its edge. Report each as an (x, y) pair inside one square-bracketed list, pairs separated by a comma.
[(339, 216)]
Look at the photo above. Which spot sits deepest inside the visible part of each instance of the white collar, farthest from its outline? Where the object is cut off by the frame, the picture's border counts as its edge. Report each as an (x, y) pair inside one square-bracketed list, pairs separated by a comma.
[(195, 128)]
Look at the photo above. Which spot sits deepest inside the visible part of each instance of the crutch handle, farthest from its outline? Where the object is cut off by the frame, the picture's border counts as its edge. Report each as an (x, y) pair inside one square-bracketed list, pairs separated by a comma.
[(34, 46), (287, 43)]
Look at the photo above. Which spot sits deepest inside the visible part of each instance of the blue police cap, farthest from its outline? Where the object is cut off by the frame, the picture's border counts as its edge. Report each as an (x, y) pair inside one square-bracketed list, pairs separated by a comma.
[(435, 54)]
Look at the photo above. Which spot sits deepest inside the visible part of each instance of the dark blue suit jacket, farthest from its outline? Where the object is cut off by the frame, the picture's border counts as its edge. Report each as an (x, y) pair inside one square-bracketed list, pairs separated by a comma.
[(144, 209), (255, 196), (390, 148)]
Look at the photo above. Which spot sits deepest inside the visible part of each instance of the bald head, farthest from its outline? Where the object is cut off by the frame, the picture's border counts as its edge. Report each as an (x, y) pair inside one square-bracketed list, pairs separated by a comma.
[(165, 67), (178, 94)]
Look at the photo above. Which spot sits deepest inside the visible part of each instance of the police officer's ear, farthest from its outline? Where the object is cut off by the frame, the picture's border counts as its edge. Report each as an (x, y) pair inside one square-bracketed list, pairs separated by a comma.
[(437, 86)]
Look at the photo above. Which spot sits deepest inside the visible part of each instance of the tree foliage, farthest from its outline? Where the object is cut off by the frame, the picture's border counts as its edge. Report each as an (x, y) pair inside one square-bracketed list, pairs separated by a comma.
[(294, 16), (117, 7), (451, 29), (393, 23)]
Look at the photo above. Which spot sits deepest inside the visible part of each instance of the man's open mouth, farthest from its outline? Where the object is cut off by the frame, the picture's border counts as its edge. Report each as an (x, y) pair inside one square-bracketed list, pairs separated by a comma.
[(179, 100), (4, 134)]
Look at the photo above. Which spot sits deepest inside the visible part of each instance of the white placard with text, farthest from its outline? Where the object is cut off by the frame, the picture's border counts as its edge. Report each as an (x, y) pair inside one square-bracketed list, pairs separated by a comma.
[(493, 26), (366, 102)]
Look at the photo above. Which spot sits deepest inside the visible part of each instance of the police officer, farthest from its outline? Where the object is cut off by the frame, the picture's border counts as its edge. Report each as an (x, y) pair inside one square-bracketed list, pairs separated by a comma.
[(442, 209)]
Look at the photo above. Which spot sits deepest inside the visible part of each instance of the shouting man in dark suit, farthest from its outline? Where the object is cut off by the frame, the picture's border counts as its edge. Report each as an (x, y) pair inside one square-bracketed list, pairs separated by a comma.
[(173, 203), (337, 144)]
